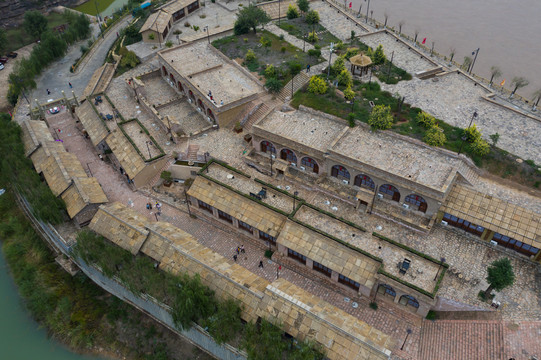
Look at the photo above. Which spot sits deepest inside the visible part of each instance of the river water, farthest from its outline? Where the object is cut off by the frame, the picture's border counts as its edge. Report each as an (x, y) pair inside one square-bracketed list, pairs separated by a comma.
[(505, 31), (20, 337)]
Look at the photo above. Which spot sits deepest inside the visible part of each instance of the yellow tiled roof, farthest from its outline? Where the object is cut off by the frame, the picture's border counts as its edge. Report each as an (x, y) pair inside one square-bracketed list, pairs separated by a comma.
[(157, 21), (494, 214), (237, 206), (84, 192), (121, 225), (92, 123), (174, 6), (306, 316), (125, 153), (34, 133), (59, 170), (329, 253)]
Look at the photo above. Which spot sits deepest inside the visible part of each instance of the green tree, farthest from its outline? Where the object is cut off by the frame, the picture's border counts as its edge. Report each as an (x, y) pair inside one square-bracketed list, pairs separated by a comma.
[(312, 37), (250, 56), (381, 118), (225, 323), (344, 78), (314, 53), (500, 275), (250, 17), (129, 59), (303, 5), (480, 147), (307, 350), (3, 41), (495, 73), (265, 342), (518, 82), (292, 12), (312, 17), (435, 136), (379, 56), (426, 119), (273, 85), (270, 71), (494, 138), (317, 85), (34, 23), (349, 94), (472, 134), (338, 66), (193, 301)]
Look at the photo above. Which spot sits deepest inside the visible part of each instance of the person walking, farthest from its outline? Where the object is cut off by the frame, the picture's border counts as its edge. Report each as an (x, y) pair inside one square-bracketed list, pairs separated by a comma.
[(260, 263), (238, 250), (242, 249), (308, 68), (71, 86), (235, 257), (48, 92)]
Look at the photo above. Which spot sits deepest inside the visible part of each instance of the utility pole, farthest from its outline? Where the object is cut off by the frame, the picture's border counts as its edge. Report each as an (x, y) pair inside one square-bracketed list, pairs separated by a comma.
[(368, 7), (98, 13), (475, 58), (329, 67), (208, 36)]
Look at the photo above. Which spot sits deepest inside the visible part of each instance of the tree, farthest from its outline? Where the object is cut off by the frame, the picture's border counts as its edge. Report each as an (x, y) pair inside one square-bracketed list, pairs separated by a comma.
[(380, 118), (312, 37), (34, 23), (317, 85), (466, 64), (312, 18), (536, 95), (500, 275), (263, 342), (518, 82), (426, 119), (349, 94), (307, 350), (494, 138), (292, 12), (250, 17), (192, 302), (338, 65), (270, 71), (266, 42), (472, 134), (314, 53), (3, 41), (495, 73), (480, 147), (303, 5), (273, 85), (379, 56), (435, 136), (225, 323), (344, 78)]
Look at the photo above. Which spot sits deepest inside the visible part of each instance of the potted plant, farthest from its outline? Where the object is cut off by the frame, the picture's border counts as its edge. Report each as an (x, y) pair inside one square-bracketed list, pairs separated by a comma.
[(238, 127), (167, 178)]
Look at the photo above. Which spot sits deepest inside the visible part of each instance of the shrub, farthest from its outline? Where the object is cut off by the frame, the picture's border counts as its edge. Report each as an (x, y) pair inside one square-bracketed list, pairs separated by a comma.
[(472, 134), (378, 57), (426, 120), (151, 36), (250, 56), (265, 41), (195, 28), (129, 59), (339, 45), (168, 44), (166, 175), (270, 71), (312, 17), (351, 52), (344, 78), (349, 94), (314, 52), (435, 137), (294, 67), (292, 12), (317, 85), (373, 305), (338, 66), (281, 37), (202, 16), (312, 37), (186, 24), (380, 117), (283, 49), (431, 315), (177, 32), (317, 47), (480, 147), (494, 138), (274, 85)]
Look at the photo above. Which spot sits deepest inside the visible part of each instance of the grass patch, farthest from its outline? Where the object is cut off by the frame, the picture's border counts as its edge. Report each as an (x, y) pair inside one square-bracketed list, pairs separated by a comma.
[(298, 28), (89, 7)]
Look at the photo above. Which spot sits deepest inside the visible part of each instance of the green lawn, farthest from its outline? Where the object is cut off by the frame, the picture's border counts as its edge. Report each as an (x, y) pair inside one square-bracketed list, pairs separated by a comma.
[(89, 7), (298, 28), (17, 37)]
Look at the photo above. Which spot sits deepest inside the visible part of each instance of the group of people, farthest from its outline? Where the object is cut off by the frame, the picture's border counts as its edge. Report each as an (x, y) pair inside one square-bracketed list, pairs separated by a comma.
[(157, 205)]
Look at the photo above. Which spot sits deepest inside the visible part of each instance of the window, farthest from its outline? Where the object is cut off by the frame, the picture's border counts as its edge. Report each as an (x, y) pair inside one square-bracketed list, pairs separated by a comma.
[(225, 216), (310, 163), (193, 6), (246, 227), (518, 246), (193, 173), (178, 15), (463, 224), (340, 172), (267, 146), (386, 290), (267, 237), (408, 300), (288, 155), (295, 255), (362, 180), (348, 282), (322, 269), (205, 206)]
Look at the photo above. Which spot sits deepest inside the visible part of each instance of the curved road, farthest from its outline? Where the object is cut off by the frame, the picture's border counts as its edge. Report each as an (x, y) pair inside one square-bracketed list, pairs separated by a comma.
[(57, 76)]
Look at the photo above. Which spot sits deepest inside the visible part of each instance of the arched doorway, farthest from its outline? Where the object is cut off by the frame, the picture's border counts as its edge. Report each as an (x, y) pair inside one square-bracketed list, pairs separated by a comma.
[(172, 78), (310, 163), (417, 202), (365, 181), (390, 192), (190, 93), (288, 155), (164, 70), (267, 146), (408, 300), (340, 172), (180, 88), (200, 104), (211, 115), (386, 290)]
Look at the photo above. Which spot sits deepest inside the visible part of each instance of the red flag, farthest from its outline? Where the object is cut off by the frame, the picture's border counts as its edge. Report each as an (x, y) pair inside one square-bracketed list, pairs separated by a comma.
[(424, 40), (502, 83), (350, 4)]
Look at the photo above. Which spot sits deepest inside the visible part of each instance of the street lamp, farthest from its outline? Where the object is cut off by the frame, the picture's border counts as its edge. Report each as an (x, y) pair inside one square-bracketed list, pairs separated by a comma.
[(475, 58), (360, 8), (439, 268), (408, 332), (207, 154), (294, 197), (271, 158), (329, 67), (368, 7), (464, 136), (208, 35)]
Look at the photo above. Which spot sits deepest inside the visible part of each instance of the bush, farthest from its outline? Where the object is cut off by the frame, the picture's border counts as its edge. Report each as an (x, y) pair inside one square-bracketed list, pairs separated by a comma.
[(378, 57), (344, 78), (314, 52), (151, 36), (268, 253), (273, 85), (351, 52), (426, 120), (431, 315), (480, 147), (265, 41), (168, 44), (129, 59), (373, 305), (349, 94), (270, 71), (294, 67), (186, 24), (380, 118), (339, 45), (292, 12), (312, 17), (317, 85), (250, 56), (312, 37), (472, 134), (435, 137), (195, 28), (338, 66), (283, 49)]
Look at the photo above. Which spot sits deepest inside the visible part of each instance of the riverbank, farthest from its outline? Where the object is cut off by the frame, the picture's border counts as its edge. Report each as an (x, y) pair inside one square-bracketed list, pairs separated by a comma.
[(76, 312)]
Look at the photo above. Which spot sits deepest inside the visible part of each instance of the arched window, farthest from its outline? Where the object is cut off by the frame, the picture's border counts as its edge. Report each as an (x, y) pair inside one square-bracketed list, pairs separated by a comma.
[(288, 155), (180, 86), (172, 78), (164, 71), (408, 300), (390, 191), (386, 290), (339, 171), (362, 180), (191, 95), (210, 115), (308, 162), (417, 202), (267, 146), (200, 104)]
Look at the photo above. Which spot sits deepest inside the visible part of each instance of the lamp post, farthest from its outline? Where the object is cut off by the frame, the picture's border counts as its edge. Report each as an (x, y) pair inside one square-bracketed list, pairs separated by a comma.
[(294, 197), (208, 35), (368, 7), (304, 43), (360, 8), (476, 52), (408, 332), (207, 154), (270, 157), (329, 67), (464, 136), (439, 268)]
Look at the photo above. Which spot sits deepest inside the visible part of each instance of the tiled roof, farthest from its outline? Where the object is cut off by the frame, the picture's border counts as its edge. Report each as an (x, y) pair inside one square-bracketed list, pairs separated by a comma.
[(59, 170), (174, 6), (34, 133), (494, 214), (125, 153), (329, 253), (237, 206), (84, 192), (121, 225), (157, 21), (92, 122), (341, 335)]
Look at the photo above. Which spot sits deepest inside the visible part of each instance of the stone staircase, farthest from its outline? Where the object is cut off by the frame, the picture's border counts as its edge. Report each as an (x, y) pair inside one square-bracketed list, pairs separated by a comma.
[(105, 78), (462, 339), (192, 152), (469, 173), (298, 82), (261, 112), (272, 8)]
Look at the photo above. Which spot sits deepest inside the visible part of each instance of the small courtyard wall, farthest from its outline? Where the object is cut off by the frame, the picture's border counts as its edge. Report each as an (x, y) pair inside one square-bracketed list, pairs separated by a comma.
[(150, 171)]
